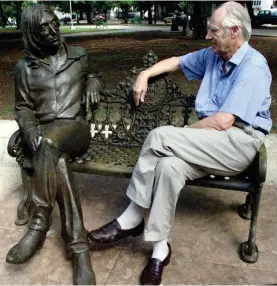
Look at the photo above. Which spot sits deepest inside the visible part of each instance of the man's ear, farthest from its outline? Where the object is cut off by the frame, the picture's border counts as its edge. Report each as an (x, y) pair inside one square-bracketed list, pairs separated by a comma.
[(234, 32)]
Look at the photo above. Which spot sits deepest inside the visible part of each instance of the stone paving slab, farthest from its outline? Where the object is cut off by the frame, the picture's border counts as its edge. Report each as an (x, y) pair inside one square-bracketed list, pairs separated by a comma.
[(205, 238), (10, 179)]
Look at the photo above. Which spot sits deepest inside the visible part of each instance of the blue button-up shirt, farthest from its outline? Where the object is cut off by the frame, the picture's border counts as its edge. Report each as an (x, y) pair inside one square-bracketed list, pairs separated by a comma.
[(243, 90)]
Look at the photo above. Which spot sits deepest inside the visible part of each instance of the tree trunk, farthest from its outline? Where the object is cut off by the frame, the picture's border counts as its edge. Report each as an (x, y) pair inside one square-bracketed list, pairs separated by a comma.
[(150, 19), (140, 11), (81, 14), (78, 17), (2, 16), (199, 20), (251, 13), (105, 14), (88, 12), (125, 15), (18, 14)]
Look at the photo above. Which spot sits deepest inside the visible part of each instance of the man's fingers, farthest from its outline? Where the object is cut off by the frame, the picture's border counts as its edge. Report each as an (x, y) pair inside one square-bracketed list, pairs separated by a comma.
[(136, 98), (139, 95), (142, 96)]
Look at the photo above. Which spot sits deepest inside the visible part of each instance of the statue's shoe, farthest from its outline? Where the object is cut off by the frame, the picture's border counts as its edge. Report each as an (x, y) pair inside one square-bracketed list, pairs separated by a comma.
[(31, 242), (83, 273)]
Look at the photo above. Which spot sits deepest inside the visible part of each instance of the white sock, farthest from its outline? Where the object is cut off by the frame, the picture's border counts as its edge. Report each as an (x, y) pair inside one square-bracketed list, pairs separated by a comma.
[(131, 217), (160, 249)]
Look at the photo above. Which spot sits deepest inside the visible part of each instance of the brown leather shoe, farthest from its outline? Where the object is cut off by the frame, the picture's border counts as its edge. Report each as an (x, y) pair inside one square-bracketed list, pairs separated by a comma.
[(153, 271), (112, 233)]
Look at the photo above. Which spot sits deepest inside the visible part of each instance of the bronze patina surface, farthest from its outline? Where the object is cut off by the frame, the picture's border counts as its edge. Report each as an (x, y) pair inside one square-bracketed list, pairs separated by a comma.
[(54, 83)]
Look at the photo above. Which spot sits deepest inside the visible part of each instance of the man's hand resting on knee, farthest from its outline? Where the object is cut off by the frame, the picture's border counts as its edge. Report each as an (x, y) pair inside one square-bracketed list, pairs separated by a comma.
[(219, 121)]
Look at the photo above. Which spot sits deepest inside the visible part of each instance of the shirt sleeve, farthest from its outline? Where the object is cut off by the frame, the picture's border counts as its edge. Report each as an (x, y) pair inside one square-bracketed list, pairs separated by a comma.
[(194, 64), (250, 90), (24, 106)]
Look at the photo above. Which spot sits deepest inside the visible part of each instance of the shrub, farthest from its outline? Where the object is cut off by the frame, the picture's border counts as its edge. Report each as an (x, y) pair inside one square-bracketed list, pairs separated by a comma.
[(136, 20)]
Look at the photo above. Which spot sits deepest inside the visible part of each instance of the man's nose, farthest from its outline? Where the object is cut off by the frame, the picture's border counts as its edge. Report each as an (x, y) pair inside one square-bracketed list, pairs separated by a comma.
[(208, 36)]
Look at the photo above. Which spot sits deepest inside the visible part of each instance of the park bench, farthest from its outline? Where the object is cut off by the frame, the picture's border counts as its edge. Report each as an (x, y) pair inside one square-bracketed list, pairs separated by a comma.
[(118, 129)]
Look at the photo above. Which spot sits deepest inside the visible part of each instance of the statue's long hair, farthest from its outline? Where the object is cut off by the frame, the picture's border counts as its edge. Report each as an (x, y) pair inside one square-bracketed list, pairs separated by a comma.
[(30, 27)]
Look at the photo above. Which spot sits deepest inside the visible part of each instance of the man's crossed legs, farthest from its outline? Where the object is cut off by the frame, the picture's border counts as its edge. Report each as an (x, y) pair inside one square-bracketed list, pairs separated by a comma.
[(170, 156)]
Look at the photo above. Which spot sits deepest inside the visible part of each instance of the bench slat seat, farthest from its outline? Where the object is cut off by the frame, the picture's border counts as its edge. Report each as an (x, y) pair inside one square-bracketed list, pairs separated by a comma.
[(107, 160), (120, 162)]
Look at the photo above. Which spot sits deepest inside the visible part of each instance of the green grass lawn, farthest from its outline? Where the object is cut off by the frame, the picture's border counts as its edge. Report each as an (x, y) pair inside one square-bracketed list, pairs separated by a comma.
[(92, 28), (7, 112), (8, 30), (65, 29)]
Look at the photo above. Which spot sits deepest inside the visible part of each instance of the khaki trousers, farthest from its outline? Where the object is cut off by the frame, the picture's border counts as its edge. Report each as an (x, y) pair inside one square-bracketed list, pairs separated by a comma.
[(171, 155)]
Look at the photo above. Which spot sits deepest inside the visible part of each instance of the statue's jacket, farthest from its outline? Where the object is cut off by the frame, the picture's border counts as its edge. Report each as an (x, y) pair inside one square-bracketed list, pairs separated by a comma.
[(43, 95)]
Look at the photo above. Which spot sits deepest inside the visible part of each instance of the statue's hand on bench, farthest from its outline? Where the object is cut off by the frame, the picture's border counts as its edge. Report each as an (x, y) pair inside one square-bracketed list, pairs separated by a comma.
[(94, 89), (33, 138)]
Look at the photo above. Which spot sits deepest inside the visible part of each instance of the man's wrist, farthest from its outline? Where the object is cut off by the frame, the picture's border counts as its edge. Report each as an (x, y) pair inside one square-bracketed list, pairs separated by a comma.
[(146, 74)]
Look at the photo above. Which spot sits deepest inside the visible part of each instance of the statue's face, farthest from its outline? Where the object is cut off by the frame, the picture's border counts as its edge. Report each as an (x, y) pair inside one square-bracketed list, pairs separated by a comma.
[(49, 35)]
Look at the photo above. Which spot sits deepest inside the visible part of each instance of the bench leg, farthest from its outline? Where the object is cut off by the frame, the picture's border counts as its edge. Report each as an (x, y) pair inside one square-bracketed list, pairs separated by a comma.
[(244, 210), (248, 250), (25, 203)]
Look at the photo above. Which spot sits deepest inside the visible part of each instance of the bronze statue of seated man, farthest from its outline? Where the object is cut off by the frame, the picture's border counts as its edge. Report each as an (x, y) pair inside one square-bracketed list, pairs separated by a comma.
[(51, 82)]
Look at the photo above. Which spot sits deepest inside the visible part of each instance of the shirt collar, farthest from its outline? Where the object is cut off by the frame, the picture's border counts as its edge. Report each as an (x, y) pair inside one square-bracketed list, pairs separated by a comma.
[(239, 55), (72, 54)]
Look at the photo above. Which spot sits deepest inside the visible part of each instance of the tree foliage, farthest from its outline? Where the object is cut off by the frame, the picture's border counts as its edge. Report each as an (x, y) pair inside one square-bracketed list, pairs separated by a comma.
[(11, 9), (103, 6), (183, 5), (125, 7)]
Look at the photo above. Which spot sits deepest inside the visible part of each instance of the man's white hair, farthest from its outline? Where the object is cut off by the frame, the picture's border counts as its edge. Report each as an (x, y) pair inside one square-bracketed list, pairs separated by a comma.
[(237, 15)]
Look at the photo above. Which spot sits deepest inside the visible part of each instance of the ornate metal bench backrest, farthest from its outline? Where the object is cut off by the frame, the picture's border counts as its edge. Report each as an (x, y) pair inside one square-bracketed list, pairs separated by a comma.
[(118, 122)]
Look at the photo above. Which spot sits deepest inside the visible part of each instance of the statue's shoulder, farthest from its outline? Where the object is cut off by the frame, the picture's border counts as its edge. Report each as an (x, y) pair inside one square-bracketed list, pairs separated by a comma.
[(22, 64), (77, 51)]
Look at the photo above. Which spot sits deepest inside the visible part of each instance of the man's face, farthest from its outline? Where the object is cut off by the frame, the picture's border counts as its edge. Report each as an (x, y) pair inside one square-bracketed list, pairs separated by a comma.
[(220, 38), (49, 35)]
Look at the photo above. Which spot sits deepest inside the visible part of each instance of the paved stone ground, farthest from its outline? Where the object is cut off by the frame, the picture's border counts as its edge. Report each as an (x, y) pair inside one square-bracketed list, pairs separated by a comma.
[(205, 237)]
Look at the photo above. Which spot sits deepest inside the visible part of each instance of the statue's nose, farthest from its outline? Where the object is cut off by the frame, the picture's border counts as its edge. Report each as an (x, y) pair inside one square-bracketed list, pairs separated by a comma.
[(52, 30)]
